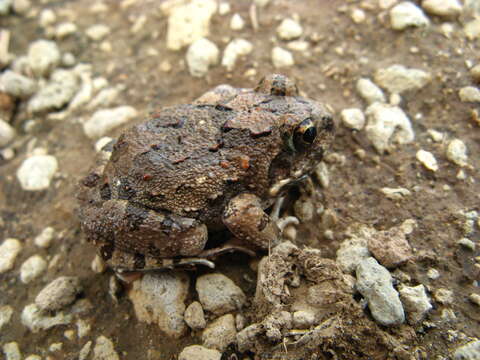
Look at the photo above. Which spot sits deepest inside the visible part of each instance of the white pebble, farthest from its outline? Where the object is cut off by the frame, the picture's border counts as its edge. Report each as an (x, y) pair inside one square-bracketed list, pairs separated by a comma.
[(433, 274), (37, 172), (474, 298), (5, 6), (467, 243), (32, 268), (102, 142), (21, 7), (397, 78), (65, 29), (43, 56), (442, 7), (358, 16), (224, 8), (6, 313), (472, 29), (289, 29), (407, 14), (469, 94), (427, 159), (9, 250), (12, 351), (97, 32), (457, 152), (47, 18), (282, 58), (369, 91), (44, 239), (353, 118), (235, 49), (105, 120), (200, 56), (17, 85), (237, 22), (436, 136), (7, 133)]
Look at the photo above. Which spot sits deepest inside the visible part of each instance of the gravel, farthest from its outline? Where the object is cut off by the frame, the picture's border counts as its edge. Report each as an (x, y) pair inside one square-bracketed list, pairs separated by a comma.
[(6, 313), (235, 49), (47, 17), (59, 293), (218, 294), (472, 29), (194, 316), (36, 172), (370, 92), (416, 303), (390, 247), (467, 244), (237, 22), (220, 333), (443, 296), (447, 8), (105, 97), (104, 349), (354, 250), (160, 299), (282, 58), (289, 29), (97, 32), (398, 78), (7, 133), (12, 351), (17, 85), (387, 125), (9, 251), (21, 7), (32, 268), (457, 152), (43, 57), (65, 29), (303, 319), (469, 94), (353, 118), (427, 159), (200, 56), (374, 282), (35, 319), (197, 352), (474, 298), (106, 120), (5, 6), (407, 14), (85, 351), (469, 351), (44, 239)]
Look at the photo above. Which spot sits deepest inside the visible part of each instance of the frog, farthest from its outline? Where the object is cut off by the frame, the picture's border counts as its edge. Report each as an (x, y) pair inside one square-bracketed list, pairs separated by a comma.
[(161, 190)]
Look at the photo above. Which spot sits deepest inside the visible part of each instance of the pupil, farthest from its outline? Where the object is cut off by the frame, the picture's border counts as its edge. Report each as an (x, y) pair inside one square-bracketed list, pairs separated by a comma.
[(310, 134)]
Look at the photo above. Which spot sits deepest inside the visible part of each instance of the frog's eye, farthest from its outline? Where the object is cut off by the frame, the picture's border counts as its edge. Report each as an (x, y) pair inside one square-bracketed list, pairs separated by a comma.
[(304, 134)]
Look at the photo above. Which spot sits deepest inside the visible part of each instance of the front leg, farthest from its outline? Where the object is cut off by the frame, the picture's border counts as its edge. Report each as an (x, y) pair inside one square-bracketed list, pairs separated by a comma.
[(246, 219)]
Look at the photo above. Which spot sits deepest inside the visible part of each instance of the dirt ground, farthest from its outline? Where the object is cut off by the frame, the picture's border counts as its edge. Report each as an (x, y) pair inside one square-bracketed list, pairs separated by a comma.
[(340, 53)]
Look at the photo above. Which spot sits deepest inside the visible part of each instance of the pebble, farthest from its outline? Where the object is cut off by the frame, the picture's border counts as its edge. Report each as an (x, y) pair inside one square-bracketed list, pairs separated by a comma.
[(469, 94), (65, 29), (433, 274), (472, 29), (237, 22), (85, 351), (427, 159), (442, 7), (354, 250), (397, 78), (395, 193), (44, 239), (106, 120), (407, 14), (246, 338), (261, 3), (358, 16), (390, 247), (370, 92), (475, 73), (188, 22), (160, 299), (436, 136), (43, 57), (282, 58), (374, 282), (353, 118), (84, 94), (298, 45), (105, 97), (59, 293), (97, 32), (33, 357), (474, 298), (220, 333), (469, 351), (201, 55), (7, 133), (457, 152), (104, 349), (194, 316), (83, 328), (224, 8), (6, 313), (303, 319), (36, 172), (21, 7), (289, 29), (387, 125), (32, 268), (58, 92), (17, 85), (218, 294), (55, 347), (12, 351), (443, 296), (467, 243), (416, 303), (235, 49), (323, 176), (9, 251), (35, 319), (197, 352), (47, 17)]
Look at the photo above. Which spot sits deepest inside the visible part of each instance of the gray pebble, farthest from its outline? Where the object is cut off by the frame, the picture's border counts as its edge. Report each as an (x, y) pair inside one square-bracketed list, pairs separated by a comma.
[(7, 133), (370, 92), (197, 352), (416, 302), (35, 319), (194, 316), (220, 333), (43, 57), (219, 294), (12, 351), (6, 313), (105, 120), (470, 351), (407, 14), (59, 293), (397, 78), (104, 349), (17, 85)]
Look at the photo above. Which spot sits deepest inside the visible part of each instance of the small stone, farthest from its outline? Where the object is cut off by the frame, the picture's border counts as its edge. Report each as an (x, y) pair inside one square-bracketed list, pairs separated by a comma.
[(443, 296), (159, 298), (220, 333), (433, 274), (69, 334), (9, 251), (442, 7), (85, 351), (240, 321), (407, 14), (246, 338), (32, 268), (395, 193), (416, 303), (467, 243), (390, 247), (106, 120), (224, 8), (197, 352), (44, 239), (36, 172), (237, 22), (374, 282), (68, 59), (358, 16), (104, 349), (387, 125), (303, 319), (83, 328), (43, 57), (427, 159), (97, 32), (200, 56), (105, 97), (475, 72), (298, 45), (12, 351), (323, 176), (472, 29), (65, 29), (469, 94), (457, 152), (436, 136), (261, 3), (165, 66), (398, 78), (370, 92), (218, 294), (7, 133), (21, 7), (289, 29), (194, 316), (17, 85), (33, 357), (55, 347), (235, 49), (282, 58), (59, 293), (353, 118), (35, 319), (47, 17), (469, 351), (5, 6), (6, 313), (354, 250)]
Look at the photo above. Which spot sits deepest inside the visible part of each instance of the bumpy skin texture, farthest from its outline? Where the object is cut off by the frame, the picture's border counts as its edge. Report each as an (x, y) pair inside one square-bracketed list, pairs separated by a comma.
[(194, 168)]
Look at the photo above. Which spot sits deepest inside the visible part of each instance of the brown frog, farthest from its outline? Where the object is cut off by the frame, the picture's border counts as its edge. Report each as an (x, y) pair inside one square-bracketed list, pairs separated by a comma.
[(196, 168)]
